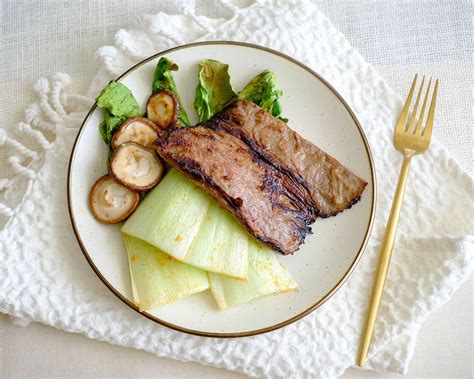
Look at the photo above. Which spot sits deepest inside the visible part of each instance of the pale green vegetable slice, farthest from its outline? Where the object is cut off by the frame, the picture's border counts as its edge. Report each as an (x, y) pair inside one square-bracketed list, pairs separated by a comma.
[(221, 245), (266, 276), (170, 215), (158, 278), (181, 220)]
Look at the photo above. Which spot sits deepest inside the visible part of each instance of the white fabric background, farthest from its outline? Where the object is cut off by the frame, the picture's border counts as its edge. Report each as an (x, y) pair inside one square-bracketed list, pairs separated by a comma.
[(40, 38)]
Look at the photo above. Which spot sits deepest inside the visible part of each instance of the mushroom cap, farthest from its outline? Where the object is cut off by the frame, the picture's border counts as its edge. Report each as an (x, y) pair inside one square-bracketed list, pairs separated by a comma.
[(110, 201), (136, 129), (136, 167), (163, 109)]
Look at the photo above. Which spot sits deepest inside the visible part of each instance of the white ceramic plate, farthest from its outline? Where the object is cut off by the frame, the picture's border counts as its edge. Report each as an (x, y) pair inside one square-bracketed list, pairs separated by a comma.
[(322, 264)]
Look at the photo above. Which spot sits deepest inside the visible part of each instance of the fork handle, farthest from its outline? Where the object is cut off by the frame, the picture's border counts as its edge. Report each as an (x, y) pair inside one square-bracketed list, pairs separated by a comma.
[(384, 261)]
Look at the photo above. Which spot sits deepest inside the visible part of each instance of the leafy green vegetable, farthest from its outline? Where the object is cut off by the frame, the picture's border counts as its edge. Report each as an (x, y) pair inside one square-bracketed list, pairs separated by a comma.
[(214, 90), (262, 90), (118, 100), (118, 103), (163, 79), (157, 278), (110, 124)]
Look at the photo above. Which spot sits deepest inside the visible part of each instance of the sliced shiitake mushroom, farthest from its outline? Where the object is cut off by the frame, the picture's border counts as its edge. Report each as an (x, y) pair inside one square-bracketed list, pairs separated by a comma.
[(136, 129), (163, 109), (136, 167), (112, 202)]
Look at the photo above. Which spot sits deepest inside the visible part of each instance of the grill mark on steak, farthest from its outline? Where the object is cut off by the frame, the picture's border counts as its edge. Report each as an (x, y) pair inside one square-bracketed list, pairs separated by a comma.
[(333, 187), (271, 205), (224, 121), (301, 187)]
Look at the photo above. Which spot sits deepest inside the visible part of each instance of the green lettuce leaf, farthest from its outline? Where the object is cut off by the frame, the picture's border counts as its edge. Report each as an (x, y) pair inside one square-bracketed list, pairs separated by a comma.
[(214, 90), (262, 90), (163, 80), (118, 104)]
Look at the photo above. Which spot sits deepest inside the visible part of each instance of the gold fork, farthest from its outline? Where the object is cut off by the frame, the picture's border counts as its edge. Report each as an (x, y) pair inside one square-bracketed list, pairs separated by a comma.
[(410, 140)]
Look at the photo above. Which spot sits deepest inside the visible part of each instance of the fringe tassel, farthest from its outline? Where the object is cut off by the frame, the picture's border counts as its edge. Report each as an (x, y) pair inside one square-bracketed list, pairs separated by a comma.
[(47, 114), (78, 100), (4, 184), (5, 210), (42, 89), (5, 140), (32, 115), (188, 11), (60, 81), (232, 7), (107, 55), (26, 129), (20, 169)]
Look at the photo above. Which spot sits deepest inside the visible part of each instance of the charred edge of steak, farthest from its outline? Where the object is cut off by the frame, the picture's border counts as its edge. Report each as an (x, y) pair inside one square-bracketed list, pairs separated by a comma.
[(354, 201), (219, 122), (295, 205), (192, 169)]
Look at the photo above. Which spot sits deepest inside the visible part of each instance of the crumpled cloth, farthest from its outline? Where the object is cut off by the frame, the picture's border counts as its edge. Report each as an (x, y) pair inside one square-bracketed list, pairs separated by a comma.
[(44, 277)]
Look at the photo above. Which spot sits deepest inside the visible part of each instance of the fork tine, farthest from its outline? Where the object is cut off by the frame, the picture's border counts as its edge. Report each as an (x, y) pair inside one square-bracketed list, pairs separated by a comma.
[(403, 116), (430, 119), (419, 124), (415, 108)]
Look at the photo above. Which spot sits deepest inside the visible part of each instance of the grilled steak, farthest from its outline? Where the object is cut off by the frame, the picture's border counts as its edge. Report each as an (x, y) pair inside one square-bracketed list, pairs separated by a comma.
[(272, 206), (332, 186), (272, 179)]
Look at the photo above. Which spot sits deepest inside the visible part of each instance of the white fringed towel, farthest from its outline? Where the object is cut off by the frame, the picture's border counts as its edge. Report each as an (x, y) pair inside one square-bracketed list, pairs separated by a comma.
[(44, 277)]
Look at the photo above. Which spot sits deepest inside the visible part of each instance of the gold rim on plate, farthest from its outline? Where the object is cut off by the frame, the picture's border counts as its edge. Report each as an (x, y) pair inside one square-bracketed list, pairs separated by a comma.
[(327, 296)]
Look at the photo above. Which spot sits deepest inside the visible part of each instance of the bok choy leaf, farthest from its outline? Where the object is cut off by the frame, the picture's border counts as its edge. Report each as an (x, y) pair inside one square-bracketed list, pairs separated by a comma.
[(163, 79), (170, 215), (214, 90), (263, 91), (221, 244), (181, 220), (118, 103), (266, 276), (158, 278)]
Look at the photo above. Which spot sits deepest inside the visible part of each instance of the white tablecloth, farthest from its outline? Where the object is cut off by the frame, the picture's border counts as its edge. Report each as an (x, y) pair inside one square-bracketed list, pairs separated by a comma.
[(42, 37)]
